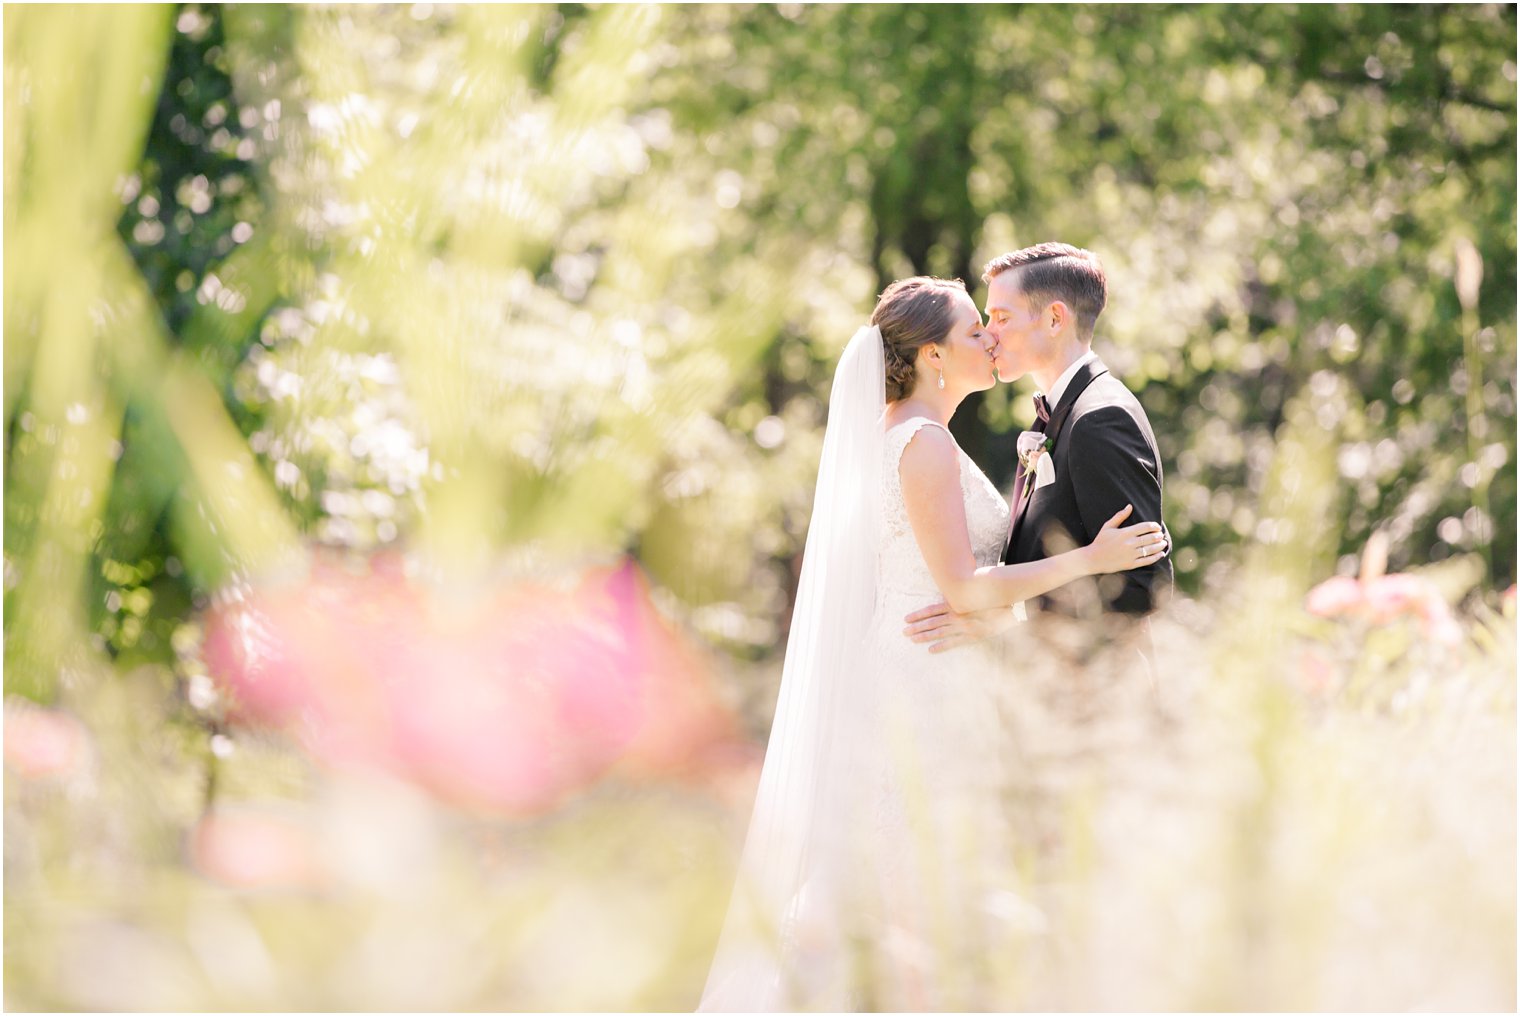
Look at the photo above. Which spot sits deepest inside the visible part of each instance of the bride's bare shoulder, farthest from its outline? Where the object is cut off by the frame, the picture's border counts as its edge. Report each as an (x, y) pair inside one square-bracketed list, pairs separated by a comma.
[(897, 417), (927, 451)]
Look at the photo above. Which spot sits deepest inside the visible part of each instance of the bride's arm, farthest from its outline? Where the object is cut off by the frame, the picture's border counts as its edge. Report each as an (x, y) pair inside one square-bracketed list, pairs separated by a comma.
[(931, 485)]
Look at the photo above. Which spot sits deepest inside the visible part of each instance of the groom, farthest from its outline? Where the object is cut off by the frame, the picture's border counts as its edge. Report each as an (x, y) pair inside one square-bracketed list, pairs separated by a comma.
[(1092, 433)]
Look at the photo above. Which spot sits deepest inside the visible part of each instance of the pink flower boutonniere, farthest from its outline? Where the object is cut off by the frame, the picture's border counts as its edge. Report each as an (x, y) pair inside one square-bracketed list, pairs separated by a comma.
[(1033, 444)]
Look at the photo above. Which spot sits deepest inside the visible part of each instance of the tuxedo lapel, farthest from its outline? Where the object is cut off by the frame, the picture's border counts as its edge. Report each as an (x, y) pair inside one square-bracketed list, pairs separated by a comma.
[(1086, 375), (1023, 490)]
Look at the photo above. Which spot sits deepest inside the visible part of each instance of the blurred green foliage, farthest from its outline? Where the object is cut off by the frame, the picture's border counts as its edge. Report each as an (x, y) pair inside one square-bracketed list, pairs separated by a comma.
[(1277, 194), (571, 280)]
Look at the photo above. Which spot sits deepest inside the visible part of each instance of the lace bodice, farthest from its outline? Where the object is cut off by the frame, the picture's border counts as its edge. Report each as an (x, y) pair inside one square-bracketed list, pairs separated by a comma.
[(902, 569)]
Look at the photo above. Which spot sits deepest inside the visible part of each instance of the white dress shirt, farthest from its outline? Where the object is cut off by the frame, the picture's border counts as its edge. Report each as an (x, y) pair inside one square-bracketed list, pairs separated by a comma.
[(1045, 470), (1056, 390)]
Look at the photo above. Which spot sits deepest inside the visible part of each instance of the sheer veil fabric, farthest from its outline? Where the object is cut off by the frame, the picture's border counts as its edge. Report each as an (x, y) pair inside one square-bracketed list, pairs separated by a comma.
[(785, 901)]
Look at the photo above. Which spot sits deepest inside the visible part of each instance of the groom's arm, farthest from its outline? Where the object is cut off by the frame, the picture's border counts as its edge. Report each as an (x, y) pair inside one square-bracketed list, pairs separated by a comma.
[(944, 629), (1112, 465)]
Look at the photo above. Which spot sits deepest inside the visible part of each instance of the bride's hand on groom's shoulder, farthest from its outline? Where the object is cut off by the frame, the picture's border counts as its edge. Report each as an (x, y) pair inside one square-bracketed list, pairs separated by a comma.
[(943, 629)]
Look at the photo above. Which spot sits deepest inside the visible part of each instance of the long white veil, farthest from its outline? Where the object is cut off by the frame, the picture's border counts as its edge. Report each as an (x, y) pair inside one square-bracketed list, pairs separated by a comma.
[(783, 883)]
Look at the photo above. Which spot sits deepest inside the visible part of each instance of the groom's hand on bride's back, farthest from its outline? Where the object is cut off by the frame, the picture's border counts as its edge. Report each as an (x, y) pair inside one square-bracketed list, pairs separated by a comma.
[(944, 629)]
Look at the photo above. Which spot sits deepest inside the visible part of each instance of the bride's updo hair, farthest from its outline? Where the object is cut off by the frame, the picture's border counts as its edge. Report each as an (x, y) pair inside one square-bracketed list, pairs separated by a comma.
[(912, 313)]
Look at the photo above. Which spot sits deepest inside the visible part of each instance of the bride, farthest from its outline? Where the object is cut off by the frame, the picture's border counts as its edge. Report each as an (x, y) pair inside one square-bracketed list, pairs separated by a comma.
[(875, 824)]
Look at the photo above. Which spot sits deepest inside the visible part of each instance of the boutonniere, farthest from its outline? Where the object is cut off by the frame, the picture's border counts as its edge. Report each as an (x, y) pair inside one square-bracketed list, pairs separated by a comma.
[(1033, 444)]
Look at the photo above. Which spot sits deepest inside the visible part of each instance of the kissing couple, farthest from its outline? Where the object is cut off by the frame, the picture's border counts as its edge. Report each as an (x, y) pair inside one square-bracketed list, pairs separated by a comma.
[(876, 835)]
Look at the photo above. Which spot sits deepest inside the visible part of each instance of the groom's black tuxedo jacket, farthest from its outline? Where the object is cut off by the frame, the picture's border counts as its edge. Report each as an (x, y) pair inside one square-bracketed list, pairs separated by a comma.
[(1105, 457)]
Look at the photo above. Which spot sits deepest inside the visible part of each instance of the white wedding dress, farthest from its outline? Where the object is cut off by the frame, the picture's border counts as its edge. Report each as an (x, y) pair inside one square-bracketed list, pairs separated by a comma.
[(902, 836), (922, 784)]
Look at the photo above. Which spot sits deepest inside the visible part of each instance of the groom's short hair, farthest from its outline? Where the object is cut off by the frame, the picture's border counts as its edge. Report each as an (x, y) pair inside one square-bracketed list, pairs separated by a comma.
[(1058, 271)]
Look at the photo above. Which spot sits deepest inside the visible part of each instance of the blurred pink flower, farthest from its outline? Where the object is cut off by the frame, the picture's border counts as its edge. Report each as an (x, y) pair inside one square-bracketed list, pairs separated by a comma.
[(251, 848), (684, 728), (1443, 628), (1398, 595), (43, 742), (1383, 598), (1390, 596), (508, 700), (1335, 596)]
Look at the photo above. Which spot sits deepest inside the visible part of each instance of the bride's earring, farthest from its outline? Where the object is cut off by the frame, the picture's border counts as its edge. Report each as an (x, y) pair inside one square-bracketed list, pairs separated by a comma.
[(942, 380)]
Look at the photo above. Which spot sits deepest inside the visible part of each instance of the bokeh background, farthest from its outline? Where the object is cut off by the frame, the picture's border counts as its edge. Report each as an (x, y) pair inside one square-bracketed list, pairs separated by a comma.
[(411, 417)]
